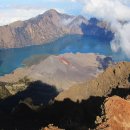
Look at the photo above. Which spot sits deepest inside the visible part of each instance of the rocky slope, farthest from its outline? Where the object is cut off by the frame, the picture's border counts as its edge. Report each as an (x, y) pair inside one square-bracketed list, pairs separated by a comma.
[(47, 27), (117, 76), (35, 108), (62, 71), (116, 114)]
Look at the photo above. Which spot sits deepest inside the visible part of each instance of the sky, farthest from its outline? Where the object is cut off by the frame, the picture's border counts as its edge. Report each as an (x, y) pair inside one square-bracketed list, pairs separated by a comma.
[(13, 10)]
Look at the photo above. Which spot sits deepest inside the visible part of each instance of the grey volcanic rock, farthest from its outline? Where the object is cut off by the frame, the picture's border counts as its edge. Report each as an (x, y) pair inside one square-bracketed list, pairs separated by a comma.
[(62, 71), (47, 27), (115, 76)]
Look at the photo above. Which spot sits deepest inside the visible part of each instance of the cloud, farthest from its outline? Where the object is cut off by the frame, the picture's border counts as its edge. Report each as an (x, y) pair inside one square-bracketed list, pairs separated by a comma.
[(14, 14), (17, 13), (25, 9), (122, 38), (108, 9), (117, 13)]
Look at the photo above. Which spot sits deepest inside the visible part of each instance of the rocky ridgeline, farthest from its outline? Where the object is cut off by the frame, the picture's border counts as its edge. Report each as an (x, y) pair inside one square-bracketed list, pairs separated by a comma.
[(47, 27), (116, 76)]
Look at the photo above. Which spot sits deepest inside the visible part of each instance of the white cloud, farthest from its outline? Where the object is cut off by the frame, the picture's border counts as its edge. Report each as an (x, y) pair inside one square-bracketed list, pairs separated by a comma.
[(115, 12), (10, 15), (108, 9), (122, 38)]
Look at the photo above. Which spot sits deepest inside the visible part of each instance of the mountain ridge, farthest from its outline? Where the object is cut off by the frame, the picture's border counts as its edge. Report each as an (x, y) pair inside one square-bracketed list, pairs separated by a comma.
[(115, 76), (47, 27)]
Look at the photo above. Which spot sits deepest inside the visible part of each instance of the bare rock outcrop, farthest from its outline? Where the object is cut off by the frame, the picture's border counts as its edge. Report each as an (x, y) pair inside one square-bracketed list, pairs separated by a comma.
[(51, 127), (116, 114), (116, 76), (9, 89)]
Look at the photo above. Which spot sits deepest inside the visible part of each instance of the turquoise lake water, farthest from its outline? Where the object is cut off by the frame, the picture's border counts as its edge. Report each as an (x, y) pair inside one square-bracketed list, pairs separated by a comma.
[(10, 59)]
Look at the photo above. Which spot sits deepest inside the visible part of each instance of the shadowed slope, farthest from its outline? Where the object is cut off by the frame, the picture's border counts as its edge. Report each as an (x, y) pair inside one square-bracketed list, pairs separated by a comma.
[(38, 92), (65, 114)]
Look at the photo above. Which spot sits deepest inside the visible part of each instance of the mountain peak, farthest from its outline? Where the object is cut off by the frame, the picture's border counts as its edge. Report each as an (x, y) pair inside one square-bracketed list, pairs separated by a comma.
[(44, 28), (51, 11)]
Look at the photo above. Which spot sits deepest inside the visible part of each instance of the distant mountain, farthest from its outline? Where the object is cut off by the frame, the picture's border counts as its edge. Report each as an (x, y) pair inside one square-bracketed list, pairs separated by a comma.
[(47, 27)]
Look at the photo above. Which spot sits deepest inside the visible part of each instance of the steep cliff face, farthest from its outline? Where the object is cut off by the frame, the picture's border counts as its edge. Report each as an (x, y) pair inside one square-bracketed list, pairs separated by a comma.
[(33, 31), (47, 27)]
